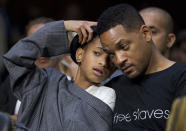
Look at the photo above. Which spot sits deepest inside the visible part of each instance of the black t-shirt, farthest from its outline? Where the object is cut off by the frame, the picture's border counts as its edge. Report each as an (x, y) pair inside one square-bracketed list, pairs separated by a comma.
[(144, 103)]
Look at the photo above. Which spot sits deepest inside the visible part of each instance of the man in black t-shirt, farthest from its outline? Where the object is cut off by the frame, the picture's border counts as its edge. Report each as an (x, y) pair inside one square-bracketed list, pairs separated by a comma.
[(150, 82)]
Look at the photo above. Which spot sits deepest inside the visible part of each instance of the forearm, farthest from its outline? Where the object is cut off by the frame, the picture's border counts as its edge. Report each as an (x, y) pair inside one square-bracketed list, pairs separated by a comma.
[(50, 41)]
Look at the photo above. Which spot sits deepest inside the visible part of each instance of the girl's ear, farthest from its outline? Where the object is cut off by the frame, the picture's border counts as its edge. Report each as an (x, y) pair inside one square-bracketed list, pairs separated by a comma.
[(79, 55)]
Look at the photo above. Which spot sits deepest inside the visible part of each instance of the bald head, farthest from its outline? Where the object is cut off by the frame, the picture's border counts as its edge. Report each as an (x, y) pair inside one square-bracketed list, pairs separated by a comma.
[(163, 16), (161, 25)]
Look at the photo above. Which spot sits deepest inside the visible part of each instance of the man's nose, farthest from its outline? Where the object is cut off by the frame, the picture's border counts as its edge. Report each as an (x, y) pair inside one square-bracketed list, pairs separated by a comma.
[(120, 58)]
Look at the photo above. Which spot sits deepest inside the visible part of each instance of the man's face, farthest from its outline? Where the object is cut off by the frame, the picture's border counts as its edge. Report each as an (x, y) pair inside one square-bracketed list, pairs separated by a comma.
[(95, 65), (44, 62), (34, 28), (130, 51), (158, 27)]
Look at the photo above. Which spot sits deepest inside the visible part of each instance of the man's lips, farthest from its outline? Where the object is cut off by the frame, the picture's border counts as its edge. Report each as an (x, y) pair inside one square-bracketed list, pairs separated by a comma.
[(98, 72), (127, 69)]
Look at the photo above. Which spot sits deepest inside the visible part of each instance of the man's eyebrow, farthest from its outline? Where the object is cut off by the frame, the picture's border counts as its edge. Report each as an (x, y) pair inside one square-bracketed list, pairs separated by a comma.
[(101, 48), (107, 51), (121, 42), (102, 43)]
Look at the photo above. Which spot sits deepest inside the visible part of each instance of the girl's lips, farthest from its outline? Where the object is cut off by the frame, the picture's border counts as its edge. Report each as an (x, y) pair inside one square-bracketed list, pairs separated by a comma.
[(98, 72)]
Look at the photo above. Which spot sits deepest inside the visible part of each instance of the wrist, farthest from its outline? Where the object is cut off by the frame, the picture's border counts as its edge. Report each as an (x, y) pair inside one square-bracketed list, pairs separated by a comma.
[(66, 24)]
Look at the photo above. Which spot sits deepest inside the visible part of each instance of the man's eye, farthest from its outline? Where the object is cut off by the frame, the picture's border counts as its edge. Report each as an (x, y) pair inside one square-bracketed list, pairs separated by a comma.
[(125, 47), (111, 56), (154, 32)]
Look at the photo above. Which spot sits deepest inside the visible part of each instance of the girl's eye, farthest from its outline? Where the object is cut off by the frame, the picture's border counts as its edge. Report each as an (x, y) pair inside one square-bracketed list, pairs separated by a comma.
[(154, 32), (97, 53)]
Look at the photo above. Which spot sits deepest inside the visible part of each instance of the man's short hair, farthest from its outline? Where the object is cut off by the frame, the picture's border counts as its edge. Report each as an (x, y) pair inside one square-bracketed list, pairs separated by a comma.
[(37, 21), (164, 16), (122, 14)]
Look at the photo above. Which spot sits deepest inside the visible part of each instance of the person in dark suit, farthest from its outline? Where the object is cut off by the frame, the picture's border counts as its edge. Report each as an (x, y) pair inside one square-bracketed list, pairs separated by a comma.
[(49, 101)]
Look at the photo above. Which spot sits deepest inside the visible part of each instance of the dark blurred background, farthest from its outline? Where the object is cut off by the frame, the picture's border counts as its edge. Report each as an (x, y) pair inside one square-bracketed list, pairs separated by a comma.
[(19, 12)]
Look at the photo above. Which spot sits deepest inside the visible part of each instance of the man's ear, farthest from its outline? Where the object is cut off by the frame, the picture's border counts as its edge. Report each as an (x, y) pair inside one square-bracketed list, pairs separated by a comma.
[(79, 55), (146, 32), (171, 40)]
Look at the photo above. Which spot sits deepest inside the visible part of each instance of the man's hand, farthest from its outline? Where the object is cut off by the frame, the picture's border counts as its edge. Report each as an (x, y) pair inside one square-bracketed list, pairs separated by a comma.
[(82, 28)]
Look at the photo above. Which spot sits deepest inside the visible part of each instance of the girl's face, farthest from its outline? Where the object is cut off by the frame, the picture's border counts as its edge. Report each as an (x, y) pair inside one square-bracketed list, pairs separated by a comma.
[(95, 65)]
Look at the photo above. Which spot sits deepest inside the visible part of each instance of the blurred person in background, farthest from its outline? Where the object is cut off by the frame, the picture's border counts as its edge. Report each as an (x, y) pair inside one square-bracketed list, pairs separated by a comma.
[(178, 52), (67, 65), (161, 25), (64, 63), (3, 40), (177, 118), (32, 27), (7, 100)]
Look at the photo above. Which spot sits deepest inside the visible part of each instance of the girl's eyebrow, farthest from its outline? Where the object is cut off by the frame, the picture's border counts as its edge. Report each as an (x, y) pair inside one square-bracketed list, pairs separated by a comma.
[(100, 48)]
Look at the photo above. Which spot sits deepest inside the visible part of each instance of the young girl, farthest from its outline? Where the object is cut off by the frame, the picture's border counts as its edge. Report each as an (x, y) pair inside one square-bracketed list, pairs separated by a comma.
[(50, 102)]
